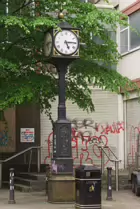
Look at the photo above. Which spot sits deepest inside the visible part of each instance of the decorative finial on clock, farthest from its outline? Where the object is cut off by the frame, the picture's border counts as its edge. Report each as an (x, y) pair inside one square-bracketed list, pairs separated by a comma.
[(61, 14)]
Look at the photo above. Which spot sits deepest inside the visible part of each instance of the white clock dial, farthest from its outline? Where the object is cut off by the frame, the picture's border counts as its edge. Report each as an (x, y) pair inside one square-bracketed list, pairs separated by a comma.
[(66, 42), (48, 44)]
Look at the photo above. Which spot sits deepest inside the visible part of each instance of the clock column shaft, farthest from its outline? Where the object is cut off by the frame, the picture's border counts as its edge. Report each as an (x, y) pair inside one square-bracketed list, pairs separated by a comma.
[(62, 69), (62, 146)]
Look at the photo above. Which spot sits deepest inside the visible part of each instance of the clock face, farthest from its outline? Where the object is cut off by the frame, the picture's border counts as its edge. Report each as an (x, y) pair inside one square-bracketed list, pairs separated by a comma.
[(66, 42), (48, 44)]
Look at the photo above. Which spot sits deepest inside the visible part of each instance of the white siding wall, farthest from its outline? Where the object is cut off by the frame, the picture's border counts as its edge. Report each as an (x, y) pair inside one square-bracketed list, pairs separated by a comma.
[(106, 111), (125, 3), (129, 65), (122, 3), (113, 2)]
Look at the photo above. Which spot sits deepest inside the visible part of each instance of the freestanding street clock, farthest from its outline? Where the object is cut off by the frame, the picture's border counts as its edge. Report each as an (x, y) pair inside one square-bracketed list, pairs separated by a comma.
[(62, 43), (61, 47)]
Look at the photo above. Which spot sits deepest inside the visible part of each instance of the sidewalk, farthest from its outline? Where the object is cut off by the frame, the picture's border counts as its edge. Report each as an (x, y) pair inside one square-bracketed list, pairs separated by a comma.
[(121, 200)]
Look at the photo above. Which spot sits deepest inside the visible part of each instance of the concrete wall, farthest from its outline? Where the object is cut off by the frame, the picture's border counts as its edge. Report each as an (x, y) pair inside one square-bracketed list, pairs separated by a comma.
[(122, 3), (125, 3), (129, 65)]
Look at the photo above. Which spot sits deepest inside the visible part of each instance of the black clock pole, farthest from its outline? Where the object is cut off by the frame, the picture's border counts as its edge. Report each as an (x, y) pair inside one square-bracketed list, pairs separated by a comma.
[(62, 70), (62, 162)]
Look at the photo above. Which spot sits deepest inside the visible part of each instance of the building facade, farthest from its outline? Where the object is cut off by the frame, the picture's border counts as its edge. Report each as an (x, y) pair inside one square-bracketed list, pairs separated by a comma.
[(115, 122), (123, 142), (129, 47)]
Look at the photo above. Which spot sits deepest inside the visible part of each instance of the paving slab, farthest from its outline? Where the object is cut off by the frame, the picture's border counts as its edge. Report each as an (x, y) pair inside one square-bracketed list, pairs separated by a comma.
[(38, 200)]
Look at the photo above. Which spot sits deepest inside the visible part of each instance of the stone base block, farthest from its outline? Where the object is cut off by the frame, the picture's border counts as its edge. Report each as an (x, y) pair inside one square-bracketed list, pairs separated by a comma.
[(61, 189)]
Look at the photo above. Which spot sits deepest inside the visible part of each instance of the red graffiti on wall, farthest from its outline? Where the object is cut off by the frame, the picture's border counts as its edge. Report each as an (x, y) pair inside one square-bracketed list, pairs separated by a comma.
[(82, 146), (83, 152), (85, 146), (115, 128)]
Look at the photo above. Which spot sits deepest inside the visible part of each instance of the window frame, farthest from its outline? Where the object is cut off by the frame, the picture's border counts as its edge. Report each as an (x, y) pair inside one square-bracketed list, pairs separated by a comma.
[(128, 46)]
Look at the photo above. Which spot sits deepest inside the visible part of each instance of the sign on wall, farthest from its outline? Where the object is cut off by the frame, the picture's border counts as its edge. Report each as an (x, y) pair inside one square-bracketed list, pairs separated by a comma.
[(27, 135)]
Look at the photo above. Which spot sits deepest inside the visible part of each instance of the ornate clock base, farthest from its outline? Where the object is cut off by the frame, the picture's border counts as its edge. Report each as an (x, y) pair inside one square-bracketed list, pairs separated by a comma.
[(62, 162)]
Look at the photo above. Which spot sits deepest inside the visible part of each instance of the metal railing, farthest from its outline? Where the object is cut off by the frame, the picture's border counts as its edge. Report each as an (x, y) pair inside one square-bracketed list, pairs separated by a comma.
[(38, 148), (30, 149), (116, 161)]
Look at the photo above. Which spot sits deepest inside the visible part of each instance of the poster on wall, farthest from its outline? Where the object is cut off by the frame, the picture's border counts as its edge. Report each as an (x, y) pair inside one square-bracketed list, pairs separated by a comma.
[(27, 135)]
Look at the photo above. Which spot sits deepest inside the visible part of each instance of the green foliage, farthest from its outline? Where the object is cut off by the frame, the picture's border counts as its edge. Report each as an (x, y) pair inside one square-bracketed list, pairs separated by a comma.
[(21, 41)]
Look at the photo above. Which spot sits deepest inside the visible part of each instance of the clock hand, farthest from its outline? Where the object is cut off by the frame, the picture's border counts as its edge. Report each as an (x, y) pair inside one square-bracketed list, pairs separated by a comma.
[(67, 44), (71, 42)]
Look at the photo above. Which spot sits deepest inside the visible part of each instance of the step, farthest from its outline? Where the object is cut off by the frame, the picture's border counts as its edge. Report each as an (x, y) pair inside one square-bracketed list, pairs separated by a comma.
[(18, 187), (34, 184), (28, 181), (26, 187), (32, 176), (123, 187), (123, 180)]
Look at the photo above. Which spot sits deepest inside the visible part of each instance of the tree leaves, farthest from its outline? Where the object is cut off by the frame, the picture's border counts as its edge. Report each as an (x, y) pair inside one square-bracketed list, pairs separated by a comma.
[(24, 75)]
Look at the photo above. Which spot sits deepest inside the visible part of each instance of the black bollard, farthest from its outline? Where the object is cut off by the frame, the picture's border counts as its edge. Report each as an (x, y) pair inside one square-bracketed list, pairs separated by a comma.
[(12, 190), (109, 183)]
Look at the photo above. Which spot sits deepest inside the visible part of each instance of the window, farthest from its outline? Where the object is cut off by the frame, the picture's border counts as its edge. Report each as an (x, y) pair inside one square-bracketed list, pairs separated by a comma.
[(130, 40), (109, 33), (134, 37), (97, 40), (124, 40)]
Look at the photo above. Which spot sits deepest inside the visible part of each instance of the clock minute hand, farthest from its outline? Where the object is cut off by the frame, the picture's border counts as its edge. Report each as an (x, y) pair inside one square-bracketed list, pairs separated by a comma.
[(71, 42)]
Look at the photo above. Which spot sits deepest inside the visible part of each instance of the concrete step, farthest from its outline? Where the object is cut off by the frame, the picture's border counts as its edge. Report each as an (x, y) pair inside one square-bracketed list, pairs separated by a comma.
[(32, 176), (123, 180), (34, 184), (19, 187), (28, 182)]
